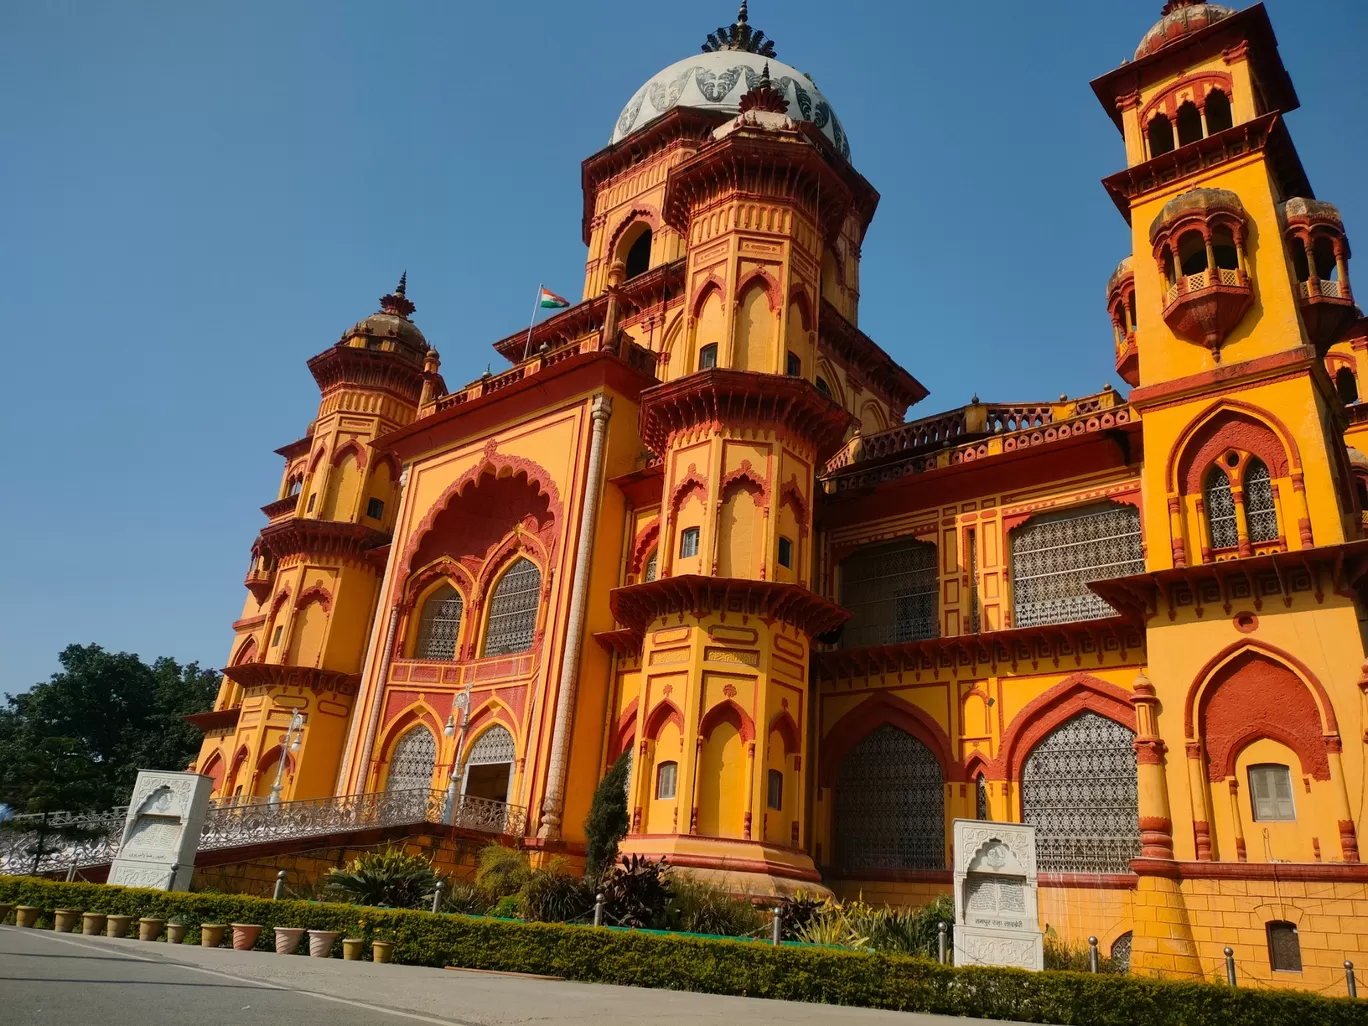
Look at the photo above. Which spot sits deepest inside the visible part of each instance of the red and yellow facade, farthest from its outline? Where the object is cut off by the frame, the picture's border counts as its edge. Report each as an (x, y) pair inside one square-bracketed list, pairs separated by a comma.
[(692, 524)]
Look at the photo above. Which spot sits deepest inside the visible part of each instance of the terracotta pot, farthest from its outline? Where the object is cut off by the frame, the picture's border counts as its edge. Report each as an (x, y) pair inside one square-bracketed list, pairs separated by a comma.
[(5, 907), (211, 934), (287, 939), (64, 920), (150, 928), (245, 936), (26, 915), (117, 926), (175, 933), (321, 943), (352, 948), (93, 924), (382, 951)]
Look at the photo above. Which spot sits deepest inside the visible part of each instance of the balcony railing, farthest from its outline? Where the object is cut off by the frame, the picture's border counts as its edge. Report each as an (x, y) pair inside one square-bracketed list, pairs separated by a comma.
[(1201, 280), (235, 822), (1325, 288)]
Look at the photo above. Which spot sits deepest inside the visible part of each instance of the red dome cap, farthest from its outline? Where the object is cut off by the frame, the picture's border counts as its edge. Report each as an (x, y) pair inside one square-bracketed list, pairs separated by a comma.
[(1181, 18)]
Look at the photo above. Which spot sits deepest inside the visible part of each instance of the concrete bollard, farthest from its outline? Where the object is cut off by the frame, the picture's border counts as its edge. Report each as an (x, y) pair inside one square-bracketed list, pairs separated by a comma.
[(1230, 967), (943, 929), (437, 896), (279, 891), (598, 909), (1092, 954), (1349, 980)]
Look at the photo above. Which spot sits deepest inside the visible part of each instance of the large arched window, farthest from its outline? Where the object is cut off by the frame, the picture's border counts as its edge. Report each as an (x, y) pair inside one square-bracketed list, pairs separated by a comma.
[(1218, 115), (1189, 123), (413, 760), (1346, 385), (1160, 135), (1055, 555), (890, 805), (638, 258), (440, 625), (1261, 515), (489, 766), (513, 610), (890, 591), (1078, 789), (1220, 506)]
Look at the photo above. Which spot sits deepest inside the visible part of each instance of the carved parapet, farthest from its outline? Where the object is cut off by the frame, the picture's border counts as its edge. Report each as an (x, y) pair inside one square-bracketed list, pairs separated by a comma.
[(639, 605)]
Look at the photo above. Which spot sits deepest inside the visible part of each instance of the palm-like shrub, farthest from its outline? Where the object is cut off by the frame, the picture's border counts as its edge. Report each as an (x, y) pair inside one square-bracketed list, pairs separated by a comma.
[(390, 877), (502, 871), (464, 897), (834, 927)]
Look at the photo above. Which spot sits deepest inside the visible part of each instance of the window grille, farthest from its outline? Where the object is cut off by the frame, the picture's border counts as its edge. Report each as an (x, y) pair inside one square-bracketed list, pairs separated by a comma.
[(413, 760), (1220, 506), (495, 745), (666, 776), (440, 625), (973, 583), (890, 805), (1121, 953), (688, 543), (775, 797), (1261, 516), (1270, 789), (890, 591), (1284, 948), (1056, 555), (513, 610), (981, 798), (1078, 789), (649, 574)]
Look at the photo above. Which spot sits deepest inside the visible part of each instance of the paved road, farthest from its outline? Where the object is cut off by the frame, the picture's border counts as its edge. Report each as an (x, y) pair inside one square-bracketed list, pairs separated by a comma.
[(47, 978)]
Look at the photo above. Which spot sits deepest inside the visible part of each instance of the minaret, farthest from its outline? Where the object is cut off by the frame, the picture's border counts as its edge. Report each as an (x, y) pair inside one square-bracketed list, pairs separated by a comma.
[(729, 621)]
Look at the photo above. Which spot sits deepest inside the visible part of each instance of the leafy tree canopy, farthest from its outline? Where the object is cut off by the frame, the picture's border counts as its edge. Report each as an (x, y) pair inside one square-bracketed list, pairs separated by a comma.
[(77, 741)]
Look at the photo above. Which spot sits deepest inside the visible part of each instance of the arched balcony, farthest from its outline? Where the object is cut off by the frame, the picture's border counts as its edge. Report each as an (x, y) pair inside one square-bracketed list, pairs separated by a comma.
[(1121, 305), (1199, 241), (1319, 252)]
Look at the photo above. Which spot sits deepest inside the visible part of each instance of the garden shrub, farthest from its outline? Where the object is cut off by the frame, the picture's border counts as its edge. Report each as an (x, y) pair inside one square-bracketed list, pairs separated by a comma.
[(608, 819), (696, 906), (735, 967), (502, 871), (553, 895), (389, 877)]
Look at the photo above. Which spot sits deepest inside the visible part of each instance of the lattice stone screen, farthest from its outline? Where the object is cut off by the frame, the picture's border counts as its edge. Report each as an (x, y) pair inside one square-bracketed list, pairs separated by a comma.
[(440, 625), (1220, 508), (1261, 515), (1054, 556), (890, 591), (414, 758), (494, 745), (890, 805), (1078, 789), (513, 610)]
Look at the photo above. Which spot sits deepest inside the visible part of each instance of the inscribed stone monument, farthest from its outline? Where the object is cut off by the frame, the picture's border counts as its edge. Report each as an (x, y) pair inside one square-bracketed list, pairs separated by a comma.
[(162, 831), (996, 912)]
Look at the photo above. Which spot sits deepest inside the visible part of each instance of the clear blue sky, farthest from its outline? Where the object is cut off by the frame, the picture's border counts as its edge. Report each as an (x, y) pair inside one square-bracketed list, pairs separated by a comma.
[(198, 197)]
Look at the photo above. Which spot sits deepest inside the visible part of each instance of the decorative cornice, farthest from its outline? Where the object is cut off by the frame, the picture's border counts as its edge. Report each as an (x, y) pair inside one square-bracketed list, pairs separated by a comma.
[(281, 507), (348, 366), (639, 605), (319, 538), (624, 642), (271, 676), (864, 354), (737, 399), (217, 721)]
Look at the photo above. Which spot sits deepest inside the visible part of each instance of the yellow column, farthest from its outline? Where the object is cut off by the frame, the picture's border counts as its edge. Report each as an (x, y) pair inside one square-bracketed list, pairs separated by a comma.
[(1197, 795), (749, 812), (1343, 815), (641, 791), (693, 788), (1241, 852), (1303, 511), (1156, 821)]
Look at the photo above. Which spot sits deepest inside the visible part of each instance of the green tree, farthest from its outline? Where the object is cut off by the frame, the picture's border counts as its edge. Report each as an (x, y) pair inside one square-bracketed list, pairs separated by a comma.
[(608, 820), (53, 776), (108, 712)]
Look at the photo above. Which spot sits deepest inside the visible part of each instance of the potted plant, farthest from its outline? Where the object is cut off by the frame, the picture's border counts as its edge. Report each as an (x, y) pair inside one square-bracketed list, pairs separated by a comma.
[(287, 939), (245, 936), (64, 920), (150, 928), (26, 915), (321, 943), (93, 924), (352, 948), (117, 926), (211, 934), (382, 949), (175, 932)]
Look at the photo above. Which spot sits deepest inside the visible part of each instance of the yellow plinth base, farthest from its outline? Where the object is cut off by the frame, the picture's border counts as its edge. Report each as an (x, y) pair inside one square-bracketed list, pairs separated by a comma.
[(748, 867)]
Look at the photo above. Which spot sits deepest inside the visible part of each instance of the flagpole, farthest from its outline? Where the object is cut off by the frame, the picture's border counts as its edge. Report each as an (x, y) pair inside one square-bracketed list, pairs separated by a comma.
[(536, 305)]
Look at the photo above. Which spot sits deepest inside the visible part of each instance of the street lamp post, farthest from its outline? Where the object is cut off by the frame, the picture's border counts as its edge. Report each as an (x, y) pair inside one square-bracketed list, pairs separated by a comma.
[(460, 703), (288, 743)]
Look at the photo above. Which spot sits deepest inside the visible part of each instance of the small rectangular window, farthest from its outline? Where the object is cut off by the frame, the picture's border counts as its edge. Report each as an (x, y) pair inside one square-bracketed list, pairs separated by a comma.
[(275, 638), (776, 789), (1270, 793), (375, 509), (786, 553), (665, 779), (707, 357), (1284, 948), (794, 367), (688, 543), (312, 499)]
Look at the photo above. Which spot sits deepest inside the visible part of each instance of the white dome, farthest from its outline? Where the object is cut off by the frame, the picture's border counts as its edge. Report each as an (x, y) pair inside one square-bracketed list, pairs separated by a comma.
[(717, 81)]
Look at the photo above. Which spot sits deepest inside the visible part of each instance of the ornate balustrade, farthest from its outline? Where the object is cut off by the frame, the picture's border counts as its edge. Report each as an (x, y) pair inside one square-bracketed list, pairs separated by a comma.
[(58, 840)]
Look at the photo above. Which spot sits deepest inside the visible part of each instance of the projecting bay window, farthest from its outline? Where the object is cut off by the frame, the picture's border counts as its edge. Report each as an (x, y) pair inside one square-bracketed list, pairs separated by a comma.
[(1055, 555), (890, 591)]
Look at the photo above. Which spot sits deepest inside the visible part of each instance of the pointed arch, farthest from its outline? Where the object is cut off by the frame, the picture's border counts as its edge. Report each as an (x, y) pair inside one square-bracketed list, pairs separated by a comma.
[(798, 296), (745, 476), (1227, 424), (417, 713), (518, 545), (693, 483), (637, 215), (978, 765), (317, 458), (786, 727), (712, 285), (774, 295), (645, 541), (792, 495), (1076, 693), (623, 733), (315, 593), (727, 711), (427, 577), (246, 653), (663, 713), (213, 769), (351, 447), (492, 712), (874, 712)]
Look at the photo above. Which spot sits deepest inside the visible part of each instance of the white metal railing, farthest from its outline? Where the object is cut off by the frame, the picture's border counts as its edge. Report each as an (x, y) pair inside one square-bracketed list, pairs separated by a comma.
[(59, 840)]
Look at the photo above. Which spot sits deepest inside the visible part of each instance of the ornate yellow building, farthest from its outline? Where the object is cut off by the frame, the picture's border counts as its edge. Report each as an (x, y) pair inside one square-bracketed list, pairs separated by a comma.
[(692, 523)]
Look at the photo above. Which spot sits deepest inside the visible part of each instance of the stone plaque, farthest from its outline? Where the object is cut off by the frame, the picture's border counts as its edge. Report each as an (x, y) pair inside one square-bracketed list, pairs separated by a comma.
[(996, 912), (162, 831)]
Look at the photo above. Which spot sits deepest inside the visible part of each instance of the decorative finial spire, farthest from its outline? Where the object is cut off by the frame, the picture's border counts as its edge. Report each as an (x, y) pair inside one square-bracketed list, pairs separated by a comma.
[(764, 75), (398, 302), (402, 288), (740, 36), (763, 96)]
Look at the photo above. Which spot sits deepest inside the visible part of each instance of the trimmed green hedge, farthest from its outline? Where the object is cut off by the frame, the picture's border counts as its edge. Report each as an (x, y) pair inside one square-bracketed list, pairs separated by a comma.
[(722, 967)]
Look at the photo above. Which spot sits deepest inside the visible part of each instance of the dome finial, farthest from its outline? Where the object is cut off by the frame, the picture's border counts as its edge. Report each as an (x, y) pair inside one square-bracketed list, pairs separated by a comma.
[(741, 14), (398, 302), (740, 36), (402, 288), (764, 97)]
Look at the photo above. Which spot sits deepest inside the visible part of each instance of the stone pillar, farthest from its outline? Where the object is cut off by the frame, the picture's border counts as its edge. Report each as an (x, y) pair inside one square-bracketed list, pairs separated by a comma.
[(1156, 821), (1241, 524), (1343, 815), (641, 793), (1241, 852), (1176, 532), (558, 763), (1303, 511), (748, 808), (1197, 796)]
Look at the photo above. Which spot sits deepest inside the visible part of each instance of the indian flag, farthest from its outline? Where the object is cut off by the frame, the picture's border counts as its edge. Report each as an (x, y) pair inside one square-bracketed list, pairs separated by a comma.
[(548, 300)]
